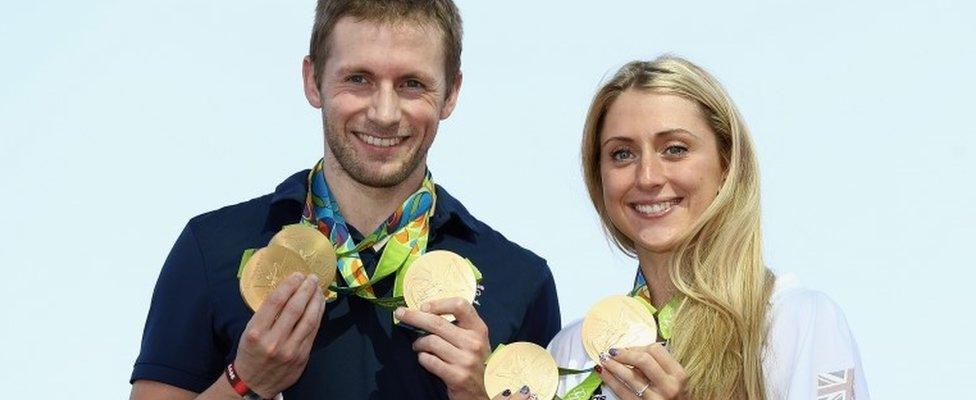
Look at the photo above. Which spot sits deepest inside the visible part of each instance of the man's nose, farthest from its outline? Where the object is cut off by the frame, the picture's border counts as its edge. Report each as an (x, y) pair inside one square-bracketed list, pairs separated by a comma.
[(384, 109)]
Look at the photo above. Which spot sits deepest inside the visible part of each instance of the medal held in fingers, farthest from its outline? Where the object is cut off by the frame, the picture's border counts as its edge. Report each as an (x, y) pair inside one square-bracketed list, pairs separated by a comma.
[(296, 248), (617, 322), (439, 275), (314, 248), (266, 268), (522, 364)]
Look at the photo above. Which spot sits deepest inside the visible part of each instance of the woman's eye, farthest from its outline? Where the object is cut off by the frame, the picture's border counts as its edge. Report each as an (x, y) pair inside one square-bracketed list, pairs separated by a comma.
[(675, 150), (621, 155)]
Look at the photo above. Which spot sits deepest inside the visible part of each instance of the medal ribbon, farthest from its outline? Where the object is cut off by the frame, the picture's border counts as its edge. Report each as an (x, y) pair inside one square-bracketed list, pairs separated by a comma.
[(664, 316), (405, 231), (665, 321)]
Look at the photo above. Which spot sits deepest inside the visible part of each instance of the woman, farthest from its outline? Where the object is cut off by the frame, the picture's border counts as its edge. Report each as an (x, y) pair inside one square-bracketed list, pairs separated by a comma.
[(671, 170)]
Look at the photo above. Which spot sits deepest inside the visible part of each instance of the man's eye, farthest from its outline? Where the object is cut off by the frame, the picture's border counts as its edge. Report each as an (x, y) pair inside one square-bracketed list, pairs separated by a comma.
[(357, 79), (413, 84), (675, 150), (621, 155)]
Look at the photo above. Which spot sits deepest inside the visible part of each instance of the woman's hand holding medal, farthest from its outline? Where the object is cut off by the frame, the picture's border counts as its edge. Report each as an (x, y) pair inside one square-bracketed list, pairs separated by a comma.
[(645, 372), (619, 334)]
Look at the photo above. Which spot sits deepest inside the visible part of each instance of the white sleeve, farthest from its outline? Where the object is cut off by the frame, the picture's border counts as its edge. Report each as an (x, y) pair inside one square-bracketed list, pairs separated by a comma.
[(567, 349), (810, 353)]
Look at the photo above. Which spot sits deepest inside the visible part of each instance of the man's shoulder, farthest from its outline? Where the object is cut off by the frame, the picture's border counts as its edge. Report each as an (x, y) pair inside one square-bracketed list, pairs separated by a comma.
[(496, 239), (241, 209), (234, 218), (244, 224), (492, 243)]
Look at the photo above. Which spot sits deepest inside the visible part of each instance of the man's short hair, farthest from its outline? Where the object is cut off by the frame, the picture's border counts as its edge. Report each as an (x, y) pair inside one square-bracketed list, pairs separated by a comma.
[(440, 13)]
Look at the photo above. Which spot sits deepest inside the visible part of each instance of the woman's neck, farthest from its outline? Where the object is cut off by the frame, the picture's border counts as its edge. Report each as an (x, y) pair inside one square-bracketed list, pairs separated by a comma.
[(654, 266), (365, 207)]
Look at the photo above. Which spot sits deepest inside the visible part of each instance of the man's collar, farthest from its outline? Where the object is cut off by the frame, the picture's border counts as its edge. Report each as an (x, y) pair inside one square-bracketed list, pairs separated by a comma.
[(293, 190), (449, 209)]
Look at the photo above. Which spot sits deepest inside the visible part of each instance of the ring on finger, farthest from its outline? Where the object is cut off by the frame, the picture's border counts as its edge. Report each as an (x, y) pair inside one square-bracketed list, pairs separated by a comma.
[(640, 393)]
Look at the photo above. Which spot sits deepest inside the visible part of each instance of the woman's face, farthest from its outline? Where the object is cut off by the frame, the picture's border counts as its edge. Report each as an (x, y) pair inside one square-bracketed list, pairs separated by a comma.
[(660, 165)]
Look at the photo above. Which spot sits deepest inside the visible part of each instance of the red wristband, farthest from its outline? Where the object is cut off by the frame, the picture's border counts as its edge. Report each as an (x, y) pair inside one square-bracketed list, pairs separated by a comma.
[(235, 380)]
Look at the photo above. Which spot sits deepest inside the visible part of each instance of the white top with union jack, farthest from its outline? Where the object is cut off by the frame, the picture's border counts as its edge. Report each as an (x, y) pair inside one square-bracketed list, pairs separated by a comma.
[(811, 353)]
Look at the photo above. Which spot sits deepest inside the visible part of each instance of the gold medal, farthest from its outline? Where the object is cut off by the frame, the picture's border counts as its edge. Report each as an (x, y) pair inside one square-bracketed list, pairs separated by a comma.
[(314, 247), (438, 275), (617, 322), (522, 364), (265, 269)]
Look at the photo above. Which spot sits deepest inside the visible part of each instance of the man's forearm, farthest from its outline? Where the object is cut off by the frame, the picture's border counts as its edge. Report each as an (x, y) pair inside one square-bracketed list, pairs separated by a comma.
[(152, 390), (220, 390)]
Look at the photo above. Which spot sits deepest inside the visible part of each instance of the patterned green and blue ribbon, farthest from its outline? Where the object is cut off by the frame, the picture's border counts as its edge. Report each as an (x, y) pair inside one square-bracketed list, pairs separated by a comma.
[(405, 231)]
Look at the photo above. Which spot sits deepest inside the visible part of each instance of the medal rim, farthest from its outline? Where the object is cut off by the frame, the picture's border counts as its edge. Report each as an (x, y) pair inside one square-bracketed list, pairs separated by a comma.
[(544, 390), (327, 268), (264, 256), (470, 283), (598, 310)]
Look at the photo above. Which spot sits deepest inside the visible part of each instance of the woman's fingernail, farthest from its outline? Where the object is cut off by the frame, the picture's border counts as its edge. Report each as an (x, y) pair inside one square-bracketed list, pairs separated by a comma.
[(314, 278), (613, 352), (525, 389), (664, 344), (425, 307), (507, 393), (598, 369), (604, 356), (399, 312)]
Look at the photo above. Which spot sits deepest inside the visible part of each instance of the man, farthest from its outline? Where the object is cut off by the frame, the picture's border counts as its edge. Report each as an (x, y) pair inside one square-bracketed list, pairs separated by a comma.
[(384, 73)]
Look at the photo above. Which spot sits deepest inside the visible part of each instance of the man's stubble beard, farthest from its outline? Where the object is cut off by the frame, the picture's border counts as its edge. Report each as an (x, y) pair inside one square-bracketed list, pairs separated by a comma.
[(345, 154)]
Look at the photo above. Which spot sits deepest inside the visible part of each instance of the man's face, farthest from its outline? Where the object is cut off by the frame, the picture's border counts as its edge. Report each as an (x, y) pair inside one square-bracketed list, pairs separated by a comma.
[(383, 92)]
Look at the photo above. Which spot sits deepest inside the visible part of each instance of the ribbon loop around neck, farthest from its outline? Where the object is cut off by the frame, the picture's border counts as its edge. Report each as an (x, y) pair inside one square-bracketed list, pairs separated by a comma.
[(405, 232)]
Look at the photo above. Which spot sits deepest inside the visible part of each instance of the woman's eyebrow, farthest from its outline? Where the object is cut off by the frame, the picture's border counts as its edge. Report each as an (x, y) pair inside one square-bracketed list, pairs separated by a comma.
[(676, 131), (620, 138)]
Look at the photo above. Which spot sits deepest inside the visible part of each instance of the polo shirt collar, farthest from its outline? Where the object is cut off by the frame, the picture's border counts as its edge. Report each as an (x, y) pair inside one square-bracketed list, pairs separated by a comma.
[(449, 213)]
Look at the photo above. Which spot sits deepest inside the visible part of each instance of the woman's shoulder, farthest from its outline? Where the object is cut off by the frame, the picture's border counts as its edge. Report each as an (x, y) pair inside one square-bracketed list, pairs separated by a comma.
[(809, 348), (796, 308), (792, 300)]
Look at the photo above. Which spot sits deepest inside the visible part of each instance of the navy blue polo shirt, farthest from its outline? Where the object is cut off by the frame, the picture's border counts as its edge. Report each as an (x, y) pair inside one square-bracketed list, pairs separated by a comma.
[(197, 314)]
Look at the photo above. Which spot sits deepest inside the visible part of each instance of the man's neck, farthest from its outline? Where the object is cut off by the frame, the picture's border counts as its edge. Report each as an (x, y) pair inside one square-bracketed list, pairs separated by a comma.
[(365, 207)]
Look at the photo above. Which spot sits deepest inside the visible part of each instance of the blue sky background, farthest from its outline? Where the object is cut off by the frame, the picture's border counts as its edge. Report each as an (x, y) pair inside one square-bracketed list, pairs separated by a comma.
[(120, 120)]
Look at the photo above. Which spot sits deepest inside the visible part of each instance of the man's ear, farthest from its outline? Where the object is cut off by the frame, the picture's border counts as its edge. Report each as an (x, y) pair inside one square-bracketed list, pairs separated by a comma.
[(312, 92), (452, 96)]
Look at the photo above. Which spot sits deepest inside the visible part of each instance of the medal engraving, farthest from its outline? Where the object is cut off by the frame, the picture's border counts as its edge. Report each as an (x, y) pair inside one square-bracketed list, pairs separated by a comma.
[(313, 247), (617, 322), (438, 275), (265, 269), (519, 364)]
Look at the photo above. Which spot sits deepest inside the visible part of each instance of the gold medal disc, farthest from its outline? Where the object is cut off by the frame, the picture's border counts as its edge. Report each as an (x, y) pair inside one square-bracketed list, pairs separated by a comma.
[(617, 322), (265, 269), (314, 247), (520, 364), (438, 275)]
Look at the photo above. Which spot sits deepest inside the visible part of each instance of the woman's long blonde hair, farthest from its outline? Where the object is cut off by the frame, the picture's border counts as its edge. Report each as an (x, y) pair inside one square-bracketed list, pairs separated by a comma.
[(720, 328)]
